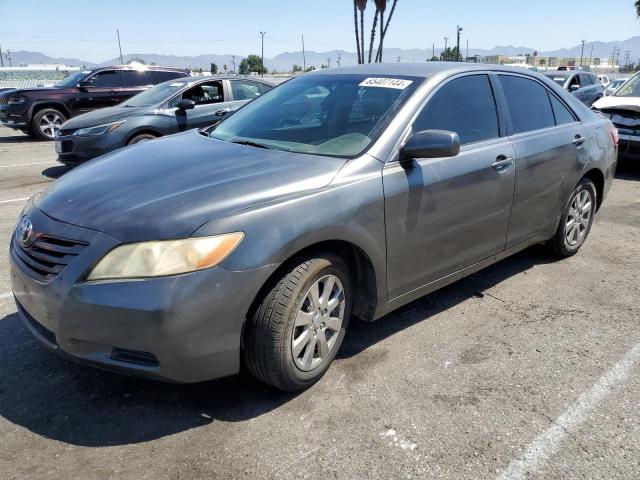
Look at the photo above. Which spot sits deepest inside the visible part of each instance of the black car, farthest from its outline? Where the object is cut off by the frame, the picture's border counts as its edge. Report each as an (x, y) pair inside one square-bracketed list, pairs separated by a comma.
[(41, 111), (584, 85), (171, 107)]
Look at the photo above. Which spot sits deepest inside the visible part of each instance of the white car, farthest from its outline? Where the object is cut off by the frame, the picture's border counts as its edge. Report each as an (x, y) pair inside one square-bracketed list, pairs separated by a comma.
[(604, 80), (614, 85)]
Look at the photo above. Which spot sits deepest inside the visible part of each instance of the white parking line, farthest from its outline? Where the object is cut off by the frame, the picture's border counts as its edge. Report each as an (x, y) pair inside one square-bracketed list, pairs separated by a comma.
[(13, 200), (28, 164), (548, 442)]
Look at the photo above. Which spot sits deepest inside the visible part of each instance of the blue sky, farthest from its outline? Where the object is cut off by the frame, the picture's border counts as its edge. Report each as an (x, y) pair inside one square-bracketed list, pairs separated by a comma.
[(86, 29)]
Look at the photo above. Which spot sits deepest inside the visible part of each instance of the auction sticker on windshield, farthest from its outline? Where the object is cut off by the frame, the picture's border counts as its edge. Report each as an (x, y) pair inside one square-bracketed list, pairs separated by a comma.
[(396, 83)]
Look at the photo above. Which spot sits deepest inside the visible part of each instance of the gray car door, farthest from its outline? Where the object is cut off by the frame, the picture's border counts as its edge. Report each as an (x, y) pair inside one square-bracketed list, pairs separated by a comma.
[(212, 103), (547, 140), (444, 214)]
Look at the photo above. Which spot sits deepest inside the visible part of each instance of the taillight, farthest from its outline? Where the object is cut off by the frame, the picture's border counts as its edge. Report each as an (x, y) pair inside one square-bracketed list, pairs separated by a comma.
[(614, 135)]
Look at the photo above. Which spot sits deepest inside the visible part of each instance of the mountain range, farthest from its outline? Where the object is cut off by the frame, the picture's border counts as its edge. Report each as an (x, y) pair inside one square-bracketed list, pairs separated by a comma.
[(284, 61)]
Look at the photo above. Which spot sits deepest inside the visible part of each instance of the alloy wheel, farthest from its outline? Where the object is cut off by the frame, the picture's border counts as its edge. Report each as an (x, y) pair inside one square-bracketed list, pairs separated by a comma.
[(578, 218), (318, 323), (50, 124)]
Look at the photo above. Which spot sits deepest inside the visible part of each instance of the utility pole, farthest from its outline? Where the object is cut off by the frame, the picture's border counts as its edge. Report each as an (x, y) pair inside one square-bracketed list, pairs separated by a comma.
[(304, 57), (582, 51), (591, 55), (233, 62), (120, 47), (627, 53), (446, 39), (328, 62), (262, 34), (1, 60), (458, 31), (467, 55), (339, 61), (433, 50), (9, 58)]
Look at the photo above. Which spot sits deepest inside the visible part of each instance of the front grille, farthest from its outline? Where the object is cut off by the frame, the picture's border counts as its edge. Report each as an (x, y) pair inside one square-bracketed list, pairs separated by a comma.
[(67, 146), (48, 255), (3, 101)]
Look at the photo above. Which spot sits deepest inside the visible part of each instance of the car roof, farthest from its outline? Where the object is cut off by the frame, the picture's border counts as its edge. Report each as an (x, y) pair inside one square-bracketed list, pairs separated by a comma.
[(561, 73), (420, 69), (140, 67)]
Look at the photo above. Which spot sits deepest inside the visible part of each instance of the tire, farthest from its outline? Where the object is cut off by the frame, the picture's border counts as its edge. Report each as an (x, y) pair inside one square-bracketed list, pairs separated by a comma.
[(46, 122), (283, 344), (576, 219), (143, 137)]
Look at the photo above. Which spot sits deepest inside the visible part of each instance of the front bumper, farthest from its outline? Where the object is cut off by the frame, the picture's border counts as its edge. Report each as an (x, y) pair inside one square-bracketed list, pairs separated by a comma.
[(14, 117), (184, 328), (73, 150)]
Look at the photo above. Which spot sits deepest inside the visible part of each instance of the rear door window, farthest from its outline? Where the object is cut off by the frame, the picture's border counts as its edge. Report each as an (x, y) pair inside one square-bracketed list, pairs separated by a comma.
[(465, 105), (106, 79), (136, 78), (243, 90), (585, 80), (528, 104), (163, 76), (560, 111)]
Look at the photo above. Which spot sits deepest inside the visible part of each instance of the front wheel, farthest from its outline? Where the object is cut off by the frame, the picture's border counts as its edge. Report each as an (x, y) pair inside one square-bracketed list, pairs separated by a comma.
[(46, 123), (297, 328), (143, 137), (576, 219)]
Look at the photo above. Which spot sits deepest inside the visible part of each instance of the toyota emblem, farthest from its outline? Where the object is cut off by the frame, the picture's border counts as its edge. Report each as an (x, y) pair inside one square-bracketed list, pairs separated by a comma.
[(25, 232)]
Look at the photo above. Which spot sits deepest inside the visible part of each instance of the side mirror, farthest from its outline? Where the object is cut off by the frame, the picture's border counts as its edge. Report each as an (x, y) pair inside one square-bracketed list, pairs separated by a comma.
[(186, 105), (574, 87), (84, 85), (430, 144)]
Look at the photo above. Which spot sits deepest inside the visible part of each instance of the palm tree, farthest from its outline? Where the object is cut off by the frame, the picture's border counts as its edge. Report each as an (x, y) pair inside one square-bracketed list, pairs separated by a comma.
[(373, 31), (361, 4), (355, 23), (381, 6), (384, 31), (637, 4)]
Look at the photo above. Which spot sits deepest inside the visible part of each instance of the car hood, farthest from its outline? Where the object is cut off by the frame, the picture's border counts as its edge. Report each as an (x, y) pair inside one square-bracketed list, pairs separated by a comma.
[(101, 116), (40, 91), (618, 103), (169, 187)]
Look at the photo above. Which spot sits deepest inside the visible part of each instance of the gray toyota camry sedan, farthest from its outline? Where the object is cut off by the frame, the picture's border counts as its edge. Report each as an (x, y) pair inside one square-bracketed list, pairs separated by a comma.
[(342, 193)]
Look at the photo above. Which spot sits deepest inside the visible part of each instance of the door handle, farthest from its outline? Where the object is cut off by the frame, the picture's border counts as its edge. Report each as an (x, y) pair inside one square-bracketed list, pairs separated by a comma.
[(222, 112), (578, 140), (502, 163)]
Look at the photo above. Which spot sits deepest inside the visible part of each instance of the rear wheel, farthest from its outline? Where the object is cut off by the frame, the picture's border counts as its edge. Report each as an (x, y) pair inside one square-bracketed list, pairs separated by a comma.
[(46, 123), (143, 137), (296, 330), (576, 220)]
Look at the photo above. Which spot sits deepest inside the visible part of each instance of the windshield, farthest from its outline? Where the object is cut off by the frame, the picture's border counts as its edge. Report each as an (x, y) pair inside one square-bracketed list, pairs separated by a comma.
[(559, 79), (630, 89), (334, 115), (155, 95), (72, 80)]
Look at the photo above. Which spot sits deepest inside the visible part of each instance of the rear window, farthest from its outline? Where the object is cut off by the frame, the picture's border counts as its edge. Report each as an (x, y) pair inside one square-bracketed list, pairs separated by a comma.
[(528, 103)]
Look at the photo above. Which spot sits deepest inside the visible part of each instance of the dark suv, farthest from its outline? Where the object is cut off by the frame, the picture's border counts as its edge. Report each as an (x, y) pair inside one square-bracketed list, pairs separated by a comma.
[(40, 111)]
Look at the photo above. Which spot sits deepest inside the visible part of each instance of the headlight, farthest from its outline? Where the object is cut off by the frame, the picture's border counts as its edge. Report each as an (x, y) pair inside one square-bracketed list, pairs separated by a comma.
[(16, 100), (98, 129), (166, 257)]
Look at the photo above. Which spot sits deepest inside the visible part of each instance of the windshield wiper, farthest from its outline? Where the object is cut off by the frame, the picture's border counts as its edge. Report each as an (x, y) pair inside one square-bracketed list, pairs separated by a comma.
[(252, 144)]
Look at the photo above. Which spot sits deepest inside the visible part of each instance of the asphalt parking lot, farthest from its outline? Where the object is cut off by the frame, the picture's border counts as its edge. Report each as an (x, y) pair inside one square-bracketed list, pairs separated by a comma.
[(529, 369)]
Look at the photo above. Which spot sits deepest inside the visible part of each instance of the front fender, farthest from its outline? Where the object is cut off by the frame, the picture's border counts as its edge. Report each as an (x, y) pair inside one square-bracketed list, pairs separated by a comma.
[(351, 209)]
